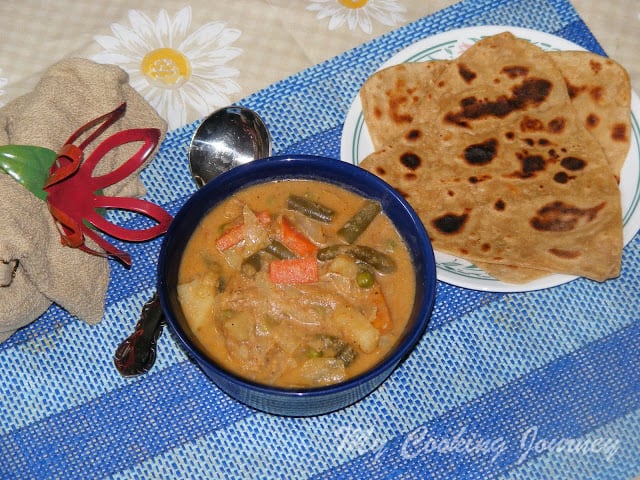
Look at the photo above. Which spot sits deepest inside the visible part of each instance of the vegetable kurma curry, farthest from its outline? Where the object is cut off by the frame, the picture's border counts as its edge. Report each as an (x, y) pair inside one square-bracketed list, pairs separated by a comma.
[(296, 284)]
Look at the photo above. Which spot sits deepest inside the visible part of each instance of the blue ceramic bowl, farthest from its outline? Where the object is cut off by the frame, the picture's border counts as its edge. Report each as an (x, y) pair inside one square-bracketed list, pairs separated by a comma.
[(312, 401)]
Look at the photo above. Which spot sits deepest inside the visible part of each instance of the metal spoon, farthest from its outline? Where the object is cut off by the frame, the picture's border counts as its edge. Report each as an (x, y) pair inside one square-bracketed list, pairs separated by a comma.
[(228, 137)]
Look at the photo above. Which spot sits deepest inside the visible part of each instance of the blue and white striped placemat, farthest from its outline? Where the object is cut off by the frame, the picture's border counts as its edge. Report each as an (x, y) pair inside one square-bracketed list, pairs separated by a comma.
[(543, 384)]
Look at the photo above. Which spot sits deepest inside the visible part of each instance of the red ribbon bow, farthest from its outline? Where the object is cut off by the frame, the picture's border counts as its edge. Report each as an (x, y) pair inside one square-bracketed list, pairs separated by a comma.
[(72, 190)]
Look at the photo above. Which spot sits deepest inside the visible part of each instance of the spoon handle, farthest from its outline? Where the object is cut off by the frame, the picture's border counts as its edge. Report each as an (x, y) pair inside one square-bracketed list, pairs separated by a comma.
[(137, 354)]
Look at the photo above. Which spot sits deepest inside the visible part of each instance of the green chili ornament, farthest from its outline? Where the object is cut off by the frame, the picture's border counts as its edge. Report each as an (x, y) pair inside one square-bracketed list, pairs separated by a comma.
[(28, 165)]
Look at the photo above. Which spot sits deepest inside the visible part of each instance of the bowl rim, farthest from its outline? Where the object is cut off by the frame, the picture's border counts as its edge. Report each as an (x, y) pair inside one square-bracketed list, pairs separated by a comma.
[(406, 342)]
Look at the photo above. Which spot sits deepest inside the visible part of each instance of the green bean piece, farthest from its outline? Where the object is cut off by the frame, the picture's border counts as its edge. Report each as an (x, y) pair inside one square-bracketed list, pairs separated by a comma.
[(310, 209), (347, 355), (365, 279), (279, 251), (329, 253), (335, 347), (251, 265), (379, 261), (357, 224), (382, 262)]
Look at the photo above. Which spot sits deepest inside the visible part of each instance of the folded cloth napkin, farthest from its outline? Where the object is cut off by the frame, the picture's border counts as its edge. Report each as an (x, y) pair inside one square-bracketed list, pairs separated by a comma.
[(35, 268)]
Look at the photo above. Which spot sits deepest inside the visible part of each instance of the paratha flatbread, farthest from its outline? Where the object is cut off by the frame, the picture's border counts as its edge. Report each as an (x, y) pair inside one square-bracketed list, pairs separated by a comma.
[(600, 91), (391, 96), (502, 172)]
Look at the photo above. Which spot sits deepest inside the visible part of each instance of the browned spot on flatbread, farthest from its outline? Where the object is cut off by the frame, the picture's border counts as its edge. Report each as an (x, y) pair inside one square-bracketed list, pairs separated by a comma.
[(466, 73), (566, 254), (596, 93), (410, 160), (529, 124), (499, 205), (479, 178), (529, 165), (413, 135), (562, 177), (557, 125), (619, 132), (530, 93), (595, 66), (573, 164), (450, 223), (481, 153), (515, 71), (574, 90), (395, 108), (562, 217), (592, 121)]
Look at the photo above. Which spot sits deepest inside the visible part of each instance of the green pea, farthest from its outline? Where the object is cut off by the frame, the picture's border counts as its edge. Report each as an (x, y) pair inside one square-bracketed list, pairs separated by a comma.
[(364, 279), (311, 353)]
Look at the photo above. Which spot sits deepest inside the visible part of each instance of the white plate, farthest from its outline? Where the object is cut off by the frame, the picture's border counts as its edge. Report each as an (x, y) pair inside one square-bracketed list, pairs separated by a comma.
[(356, 145)]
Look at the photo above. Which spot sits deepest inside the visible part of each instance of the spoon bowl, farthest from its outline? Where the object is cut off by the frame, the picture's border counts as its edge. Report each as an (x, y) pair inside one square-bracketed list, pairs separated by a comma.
[(227, 138)]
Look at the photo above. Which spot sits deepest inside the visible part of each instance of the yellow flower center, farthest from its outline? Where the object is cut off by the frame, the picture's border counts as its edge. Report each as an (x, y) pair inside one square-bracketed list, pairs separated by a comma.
[(353, 3), (166, 67)]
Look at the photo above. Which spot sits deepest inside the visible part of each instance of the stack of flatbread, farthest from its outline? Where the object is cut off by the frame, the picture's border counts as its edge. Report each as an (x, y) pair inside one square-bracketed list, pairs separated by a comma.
[(510, 155)]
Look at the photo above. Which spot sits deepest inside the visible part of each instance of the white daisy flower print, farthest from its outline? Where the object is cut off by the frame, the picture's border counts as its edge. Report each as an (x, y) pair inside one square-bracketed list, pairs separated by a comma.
[(358, 13), (174, 69)]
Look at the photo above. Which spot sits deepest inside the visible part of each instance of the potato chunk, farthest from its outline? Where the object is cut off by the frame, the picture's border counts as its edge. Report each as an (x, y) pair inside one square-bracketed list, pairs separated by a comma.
[(357, 329), (197, 299), (238, 327), (322, 371)]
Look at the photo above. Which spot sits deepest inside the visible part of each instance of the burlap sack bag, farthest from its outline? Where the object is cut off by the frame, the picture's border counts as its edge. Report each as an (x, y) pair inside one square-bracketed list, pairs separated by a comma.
[(35, 268)]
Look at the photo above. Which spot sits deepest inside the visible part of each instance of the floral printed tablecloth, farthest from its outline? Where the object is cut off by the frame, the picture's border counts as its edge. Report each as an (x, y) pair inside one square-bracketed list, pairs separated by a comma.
[(188, 59), (542, 384)]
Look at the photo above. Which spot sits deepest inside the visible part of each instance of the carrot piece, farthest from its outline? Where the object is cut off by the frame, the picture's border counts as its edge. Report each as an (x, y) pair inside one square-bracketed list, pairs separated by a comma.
[(382, 322), (294, 270), (296, 241), (230, 237)]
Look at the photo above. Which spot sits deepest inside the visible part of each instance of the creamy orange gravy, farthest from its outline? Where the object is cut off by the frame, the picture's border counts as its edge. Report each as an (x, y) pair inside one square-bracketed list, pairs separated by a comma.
[(292, 335)]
